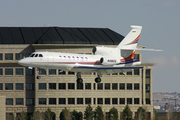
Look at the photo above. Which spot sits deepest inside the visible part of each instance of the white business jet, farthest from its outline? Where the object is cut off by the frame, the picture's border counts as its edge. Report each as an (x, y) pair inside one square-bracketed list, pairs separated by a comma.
[(105, 60)]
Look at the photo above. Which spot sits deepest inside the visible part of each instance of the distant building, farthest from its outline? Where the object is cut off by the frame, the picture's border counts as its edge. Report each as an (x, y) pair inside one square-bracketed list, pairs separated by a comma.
[(24, 91)]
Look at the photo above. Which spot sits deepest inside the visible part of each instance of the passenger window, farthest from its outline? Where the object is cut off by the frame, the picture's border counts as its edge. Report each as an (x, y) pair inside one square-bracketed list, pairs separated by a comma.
[(32, 55), (69, 57), (77, 58), (86, 58), (40, 55), (64, 57), (73, 57), (60, 57), (36, 55)]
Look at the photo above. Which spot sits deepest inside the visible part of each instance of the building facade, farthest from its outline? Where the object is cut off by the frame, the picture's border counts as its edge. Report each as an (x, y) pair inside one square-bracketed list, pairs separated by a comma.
[(25, 91)]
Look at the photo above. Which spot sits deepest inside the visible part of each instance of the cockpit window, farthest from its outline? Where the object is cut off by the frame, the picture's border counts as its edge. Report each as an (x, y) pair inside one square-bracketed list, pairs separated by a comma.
[(40, 55), (31, 55), (36, 55)]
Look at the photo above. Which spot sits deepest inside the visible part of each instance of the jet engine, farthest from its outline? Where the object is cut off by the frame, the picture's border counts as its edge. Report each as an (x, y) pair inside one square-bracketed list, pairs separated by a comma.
[(105, 51), (109, 61)]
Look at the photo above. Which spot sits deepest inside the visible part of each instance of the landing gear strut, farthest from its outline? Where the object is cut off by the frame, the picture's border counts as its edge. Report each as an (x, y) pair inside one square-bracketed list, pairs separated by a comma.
[(79, 79)]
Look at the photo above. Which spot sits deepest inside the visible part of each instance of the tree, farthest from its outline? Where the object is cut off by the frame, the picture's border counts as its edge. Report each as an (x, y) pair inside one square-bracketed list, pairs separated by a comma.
[(49, 114), (140, 114), (65, 114), (22, 115), (10, 116), (36, 115), (98, 113), (76, 115), (88, 114), (114, 112), (155, 114), (127, 113)]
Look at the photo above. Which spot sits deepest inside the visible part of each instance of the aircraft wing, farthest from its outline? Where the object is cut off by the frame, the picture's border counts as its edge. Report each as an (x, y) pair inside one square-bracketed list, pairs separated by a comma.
[(140, 49), (107, 70)]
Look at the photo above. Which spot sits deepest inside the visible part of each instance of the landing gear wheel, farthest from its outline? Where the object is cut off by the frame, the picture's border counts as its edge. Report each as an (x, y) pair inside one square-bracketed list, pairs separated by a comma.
[(98, 80), (79, 80)]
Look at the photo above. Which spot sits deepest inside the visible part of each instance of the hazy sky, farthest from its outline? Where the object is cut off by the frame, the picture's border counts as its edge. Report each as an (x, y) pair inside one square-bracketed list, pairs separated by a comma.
[(160, 20)]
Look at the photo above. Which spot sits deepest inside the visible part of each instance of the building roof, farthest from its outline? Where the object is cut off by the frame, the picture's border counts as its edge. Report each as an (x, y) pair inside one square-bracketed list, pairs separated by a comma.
[(58, 35)]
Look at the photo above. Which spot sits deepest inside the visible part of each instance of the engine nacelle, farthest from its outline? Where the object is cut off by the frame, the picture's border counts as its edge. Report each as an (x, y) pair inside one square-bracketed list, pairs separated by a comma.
[(109, 61), (105, 51)]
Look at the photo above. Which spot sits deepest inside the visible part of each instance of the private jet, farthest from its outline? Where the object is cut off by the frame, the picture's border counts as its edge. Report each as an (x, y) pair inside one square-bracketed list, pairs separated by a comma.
[(105, 60)]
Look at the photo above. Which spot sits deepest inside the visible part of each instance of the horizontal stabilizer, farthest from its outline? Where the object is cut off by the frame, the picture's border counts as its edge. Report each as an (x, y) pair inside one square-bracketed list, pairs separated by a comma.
[(140, 49)]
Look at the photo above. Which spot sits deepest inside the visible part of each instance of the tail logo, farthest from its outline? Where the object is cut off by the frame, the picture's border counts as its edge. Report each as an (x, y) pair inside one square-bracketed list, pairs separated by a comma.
[(134, 41)]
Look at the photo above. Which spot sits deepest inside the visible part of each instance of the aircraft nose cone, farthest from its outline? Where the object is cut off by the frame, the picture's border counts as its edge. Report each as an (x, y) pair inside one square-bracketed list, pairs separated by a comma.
[(23, 62)]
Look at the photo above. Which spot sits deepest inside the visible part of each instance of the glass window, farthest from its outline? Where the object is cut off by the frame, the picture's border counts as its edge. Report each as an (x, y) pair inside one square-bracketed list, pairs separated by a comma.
[(27, 54), (19, 101), (9, 101), (29, 86), (42, 86), (42, 71), (107, 100), (32, 55), (29, 101), (88, 86), (148, 101), (19, 86), (40, 55), (19, 71), (100, 100), (114, 101), (136, 71), (148, 73), (71, 73), (52, 101), (94, 100), (8, 86), (52, 71), (100, 86), (79, 100), (8, 71), (36, 55), (62, 72), (1, 71), (107, 86), (122, 101), (147, 88), (80, 86), (1, 56), (136, 86), (71, 101), (121, 73), (136, 100), (87, 100), (52, 86), (136, 57), (19, 56), (129, 100), (8, 56), (71, 86), (129, 86), (62, 86), (114, 86), (29, 71), (94, 86), (42, 101), (129, 73), (62, 100), (114, 73), (122, 86), (1, 86)]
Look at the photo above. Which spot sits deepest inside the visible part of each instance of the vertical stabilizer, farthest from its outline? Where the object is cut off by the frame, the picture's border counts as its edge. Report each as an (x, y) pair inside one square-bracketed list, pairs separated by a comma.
[(131, 40)]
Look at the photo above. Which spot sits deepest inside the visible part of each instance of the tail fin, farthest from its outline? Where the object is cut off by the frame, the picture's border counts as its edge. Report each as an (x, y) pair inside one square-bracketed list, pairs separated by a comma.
[(131, 40)]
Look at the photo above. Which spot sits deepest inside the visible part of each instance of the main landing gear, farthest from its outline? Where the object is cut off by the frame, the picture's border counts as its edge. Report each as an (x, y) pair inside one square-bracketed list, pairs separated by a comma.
[(80, 80)]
